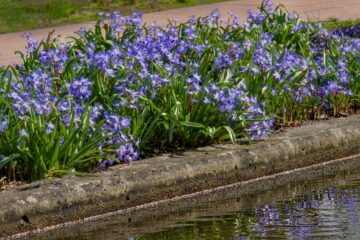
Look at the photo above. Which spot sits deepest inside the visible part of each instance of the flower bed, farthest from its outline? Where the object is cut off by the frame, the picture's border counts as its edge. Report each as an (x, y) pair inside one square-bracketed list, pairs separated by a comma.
[(124, 90)]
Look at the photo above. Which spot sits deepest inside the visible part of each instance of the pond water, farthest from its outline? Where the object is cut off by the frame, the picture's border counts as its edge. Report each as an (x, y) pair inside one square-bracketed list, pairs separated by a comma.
[(326, 208)]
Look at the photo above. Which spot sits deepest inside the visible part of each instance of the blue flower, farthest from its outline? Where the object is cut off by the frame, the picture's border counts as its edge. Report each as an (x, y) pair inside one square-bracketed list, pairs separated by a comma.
[(3, 124), (80, 88)]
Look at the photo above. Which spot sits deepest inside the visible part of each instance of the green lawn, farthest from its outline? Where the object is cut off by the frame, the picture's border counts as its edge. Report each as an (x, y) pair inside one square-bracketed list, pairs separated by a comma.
[(336, 24), (18, 15)]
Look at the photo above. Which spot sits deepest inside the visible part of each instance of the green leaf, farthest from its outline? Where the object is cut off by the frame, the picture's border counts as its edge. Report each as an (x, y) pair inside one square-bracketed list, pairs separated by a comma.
[(231, 133), (8, 159), (192, 124)]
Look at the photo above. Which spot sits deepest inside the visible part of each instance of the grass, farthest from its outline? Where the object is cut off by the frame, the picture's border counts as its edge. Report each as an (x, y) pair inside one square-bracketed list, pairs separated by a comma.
[(30, 14), (335, 24)]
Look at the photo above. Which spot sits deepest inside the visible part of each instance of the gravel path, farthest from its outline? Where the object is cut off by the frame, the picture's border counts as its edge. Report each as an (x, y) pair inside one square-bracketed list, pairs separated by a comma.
[(308, 9)]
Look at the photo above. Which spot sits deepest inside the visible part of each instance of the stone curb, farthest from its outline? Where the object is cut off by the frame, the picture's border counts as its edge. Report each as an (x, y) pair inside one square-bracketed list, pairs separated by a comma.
[(229, 198), (50, 202)]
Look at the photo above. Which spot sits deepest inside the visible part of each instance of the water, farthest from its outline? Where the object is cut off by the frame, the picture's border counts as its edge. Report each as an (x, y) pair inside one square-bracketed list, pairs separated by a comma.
[(326, 208), (329, 213)]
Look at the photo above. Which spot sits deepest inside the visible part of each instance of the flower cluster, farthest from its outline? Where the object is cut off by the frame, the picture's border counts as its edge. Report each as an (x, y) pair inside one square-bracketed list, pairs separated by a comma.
[(124, 88)]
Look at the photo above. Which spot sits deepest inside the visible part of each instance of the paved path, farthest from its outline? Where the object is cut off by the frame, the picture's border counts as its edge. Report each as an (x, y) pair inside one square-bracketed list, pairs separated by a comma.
[(308, 9)]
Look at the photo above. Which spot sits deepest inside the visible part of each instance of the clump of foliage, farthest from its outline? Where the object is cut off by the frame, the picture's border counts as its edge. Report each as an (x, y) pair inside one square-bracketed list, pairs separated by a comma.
[(124, 89)]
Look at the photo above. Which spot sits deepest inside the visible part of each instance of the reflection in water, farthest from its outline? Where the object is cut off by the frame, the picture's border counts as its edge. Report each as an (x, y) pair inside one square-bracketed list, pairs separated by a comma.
[(331, 213), (325, 208)]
